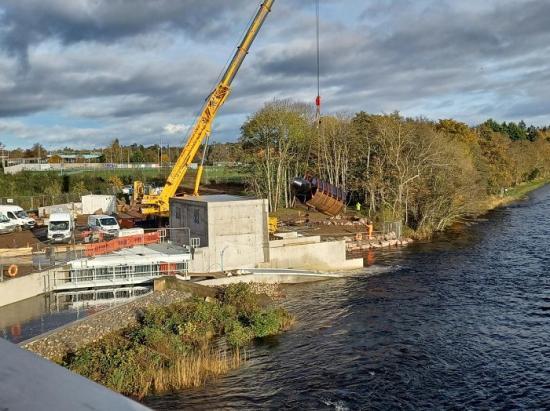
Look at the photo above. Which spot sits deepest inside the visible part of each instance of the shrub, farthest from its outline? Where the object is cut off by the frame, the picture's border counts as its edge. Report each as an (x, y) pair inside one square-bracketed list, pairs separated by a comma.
[(241, 297)]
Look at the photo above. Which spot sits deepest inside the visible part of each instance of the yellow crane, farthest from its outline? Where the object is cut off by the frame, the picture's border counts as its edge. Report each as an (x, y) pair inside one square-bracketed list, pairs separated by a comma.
[(159, 204)]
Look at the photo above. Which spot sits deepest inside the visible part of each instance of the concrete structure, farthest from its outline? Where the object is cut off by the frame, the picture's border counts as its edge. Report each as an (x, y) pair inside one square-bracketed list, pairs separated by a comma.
[(28, 382), (310, 253), (233, 234), (271, 276), (232, 230)]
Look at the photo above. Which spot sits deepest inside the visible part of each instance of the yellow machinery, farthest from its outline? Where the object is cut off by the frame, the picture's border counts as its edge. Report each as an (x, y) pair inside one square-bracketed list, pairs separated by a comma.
[(159, 204)]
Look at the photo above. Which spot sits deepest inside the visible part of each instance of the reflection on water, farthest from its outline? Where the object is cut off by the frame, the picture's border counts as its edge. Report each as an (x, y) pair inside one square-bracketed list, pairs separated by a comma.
[(459, 323), (37, 315)]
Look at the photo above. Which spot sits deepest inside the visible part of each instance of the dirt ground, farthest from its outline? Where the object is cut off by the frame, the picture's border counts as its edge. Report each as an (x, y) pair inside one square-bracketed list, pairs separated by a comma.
[(25, 238), (311, 222)]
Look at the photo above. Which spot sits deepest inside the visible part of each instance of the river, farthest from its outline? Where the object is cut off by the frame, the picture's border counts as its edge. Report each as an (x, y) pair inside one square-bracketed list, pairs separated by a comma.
[(459, 322)]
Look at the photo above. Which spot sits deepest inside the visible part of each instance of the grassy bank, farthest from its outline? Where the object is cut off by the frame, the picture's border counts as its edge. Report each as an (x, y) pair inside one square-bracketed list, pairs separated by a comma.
[(513, 194), (181, 345)]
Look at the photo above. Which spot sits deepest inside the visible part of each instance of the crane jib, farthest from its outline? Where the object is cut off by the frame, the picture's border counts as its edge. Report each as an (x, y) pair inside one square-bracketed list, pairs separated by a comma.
[(158, 204)]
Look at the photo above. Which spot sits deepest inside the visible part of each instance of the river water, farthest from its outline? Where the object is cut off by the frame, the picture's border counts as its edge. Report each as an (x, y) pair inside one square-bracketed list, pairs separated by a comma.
[(461, 322)]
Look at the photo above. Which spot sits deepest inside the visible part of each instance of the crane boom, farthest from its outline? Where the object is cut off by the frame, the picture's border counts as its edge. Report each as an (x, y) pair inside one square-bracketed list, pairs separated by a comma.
[(158, 204)]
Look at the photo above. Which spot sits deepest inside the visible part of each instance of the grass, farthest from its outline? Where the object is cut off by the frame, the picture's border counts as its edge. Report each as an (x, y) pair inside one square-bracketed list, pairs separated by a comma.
[(217, 174), (181, 345), (512, 194)]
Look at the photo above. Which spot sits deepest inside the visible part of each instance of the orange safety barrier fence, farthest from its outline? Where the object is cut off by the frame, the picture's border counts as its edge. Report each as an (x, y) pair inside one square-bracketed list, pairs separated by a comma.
[(168, 268), (107, 247)]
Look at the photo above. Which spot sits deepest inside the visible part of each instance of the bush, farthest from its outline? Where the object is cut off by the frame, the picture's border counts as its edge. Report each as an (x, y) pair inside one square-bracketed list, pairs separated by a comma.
[(170, 348), (238, 335), (241, 297)]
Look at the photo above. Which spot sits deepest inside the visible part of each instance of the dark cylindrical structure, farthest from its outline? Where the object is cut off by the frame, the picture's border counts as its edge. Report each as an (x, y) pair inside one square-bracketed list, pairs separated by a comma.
[(321, 195)]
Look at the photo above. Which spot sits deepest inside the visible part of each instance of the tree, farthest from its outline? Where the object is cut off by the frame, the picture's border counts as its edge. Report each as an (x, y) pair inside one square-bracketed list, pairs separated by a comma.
[(137, 157), (277, 139), (55, 159)]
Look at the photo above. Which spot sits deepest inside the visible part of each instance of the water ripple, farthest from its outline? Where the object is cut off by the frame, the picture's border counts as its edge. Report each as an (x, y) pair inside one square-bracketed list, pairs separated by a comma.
[(460, 323)]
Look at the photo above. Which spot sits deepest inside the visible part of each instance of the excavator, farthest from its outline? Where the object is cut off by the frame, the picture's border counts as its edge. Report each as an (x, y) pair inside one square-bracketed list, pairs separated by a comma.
[(158, 205)]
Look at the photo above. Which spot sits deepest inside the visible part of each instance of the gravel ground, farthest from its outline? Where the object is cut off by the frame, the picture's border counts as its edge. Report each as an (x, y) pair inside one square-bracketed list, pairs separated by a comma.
[(56, 344)]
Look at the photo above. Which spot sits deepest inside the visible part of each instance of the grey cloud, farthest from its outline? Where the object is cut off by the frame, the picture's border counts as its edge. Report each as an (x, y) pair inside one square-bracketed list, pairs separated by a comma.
[(480, 60), (30, 22)]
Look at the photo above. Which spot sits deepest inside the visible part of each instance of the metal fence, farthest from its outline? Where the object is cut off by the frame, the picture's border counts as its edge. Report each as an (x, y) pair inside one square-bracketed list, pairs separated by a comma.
[(67, 279), (395, 227), (34, 202)]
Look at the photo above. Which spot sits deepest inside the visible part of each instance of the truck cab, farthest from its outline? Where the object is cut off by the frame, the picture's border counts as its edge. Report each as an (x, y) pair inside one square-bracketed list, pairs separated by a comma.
[(18, 216), (61, 228)]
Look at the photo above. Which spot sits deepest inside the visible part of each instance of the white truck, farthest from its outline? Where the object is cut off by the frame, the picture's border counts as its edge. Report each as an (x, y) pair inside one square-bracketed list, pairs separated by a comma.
[(6, 225), (104, 224), (17, 216), (61, 227)]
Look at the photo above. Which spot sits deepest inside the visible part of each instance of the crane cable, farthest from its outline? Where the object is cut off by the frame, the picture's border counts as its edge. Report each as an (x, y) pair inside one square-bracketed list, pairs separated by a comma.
[(317, 120), (317, 30)]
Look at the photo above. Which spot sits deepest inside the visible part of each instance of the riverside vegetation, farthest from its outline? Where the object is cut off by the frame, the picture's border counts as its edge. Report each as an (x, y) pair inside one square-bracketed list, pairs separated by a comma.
[(181, 345), (426, 174)]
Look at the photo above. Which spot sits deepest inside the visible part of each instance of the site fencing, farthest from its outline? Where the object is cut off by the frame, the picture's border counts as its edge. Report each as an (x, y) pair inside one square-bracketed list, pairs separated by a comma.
[(107, 247), (35, 202), (395, 227)]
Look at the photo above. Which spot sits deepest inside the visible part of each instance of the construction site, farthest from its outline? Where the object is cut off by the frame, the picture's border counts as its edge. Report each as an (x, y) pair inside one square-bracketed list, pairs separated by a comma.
[(112, 247)]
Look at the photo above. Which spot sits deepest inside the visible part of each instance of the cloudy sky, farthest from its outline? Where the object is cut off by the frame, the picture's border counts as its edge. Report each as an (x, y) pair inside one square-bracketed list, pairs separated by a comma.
[(83, 72)]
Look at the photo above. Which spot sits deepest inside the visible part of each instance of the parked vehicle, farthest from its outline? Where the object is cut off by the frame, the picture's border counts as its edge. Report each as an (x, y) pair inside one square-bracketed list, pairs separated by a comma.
[(6, 225), (61, 227), (104, 224), (17, 216)]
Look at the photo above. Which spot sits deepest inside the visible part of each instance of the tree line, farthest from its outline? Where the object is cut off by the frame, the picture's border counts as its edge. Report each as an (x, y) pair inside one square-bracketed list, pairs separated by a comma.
[(427, 174)]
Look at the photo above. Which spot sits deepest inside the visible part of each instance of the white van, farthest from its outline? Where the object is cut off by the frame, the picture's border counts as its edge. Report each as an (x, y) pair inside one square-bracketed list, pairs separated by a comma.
[(6, 225), (17, 216), (60, 227), (104, 224)]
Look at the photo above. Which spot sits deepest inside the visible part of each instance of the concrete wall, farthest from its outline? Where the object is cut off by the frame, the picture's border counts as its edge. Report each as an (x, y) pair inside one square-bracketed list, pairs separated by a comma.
[(231, 229), (21, 288), (329, 255), (263, 279), (240, 232)]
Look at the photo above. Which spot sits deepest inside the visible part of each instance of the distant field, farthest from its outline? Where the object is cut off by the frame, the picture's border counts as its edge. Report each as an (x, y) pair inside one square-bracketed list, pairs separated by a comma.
[(31, 190), (218, 174)]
